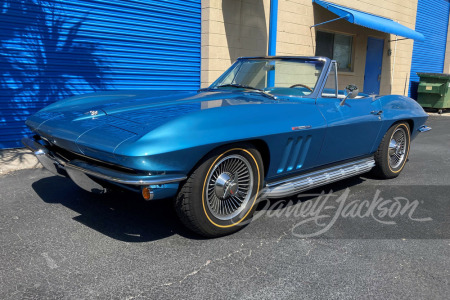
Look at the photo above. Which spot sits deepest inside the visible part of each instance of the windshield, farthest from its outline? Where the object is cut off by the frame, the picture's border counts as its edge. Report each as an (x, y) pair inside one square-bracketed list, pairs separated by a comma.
[(278, 76)]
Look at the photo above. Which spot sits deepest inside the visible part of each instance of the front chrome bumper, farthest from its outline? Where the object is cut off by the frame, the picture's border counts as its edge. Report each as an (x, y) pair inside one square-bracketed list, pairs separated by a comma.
[(80, 171), (44, 156)]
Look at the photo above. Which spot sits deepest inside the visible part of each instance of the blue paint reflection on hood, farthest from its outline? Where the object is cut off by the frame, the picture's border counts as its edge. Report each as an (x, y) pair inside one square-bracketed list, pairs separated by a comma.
[(110, 118), (149, 108)]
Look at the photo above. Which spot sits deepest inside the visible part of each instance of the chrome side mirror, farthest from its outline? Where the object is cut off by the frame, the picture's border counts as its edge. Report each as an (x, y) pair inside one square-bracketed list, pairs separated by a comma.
[(352, 91)]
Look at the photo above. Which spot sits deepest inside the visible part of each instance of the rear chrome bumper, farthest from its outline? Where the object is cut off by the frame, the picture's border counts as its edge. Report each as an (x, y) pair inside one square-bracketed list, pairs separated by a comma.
[(77, 169), (424, 128)]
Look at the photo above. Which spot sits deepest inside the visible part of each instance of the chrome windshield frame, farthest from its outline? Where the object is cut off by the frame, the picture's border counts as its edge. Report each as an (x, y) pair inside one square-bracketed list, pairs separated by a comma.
[(320, 81)]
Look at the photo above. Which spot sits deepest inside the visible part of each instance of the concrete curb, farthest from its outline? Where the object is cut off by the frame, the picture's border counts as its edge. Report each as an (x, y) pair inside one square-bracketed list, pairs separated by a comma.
[(444, 114), (17, 159)]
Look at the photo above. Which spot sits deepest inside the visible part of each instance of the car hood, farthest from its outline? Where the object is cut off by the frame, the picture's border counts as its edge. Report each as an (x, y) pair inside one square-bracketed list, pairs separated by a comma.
[(103, 121)]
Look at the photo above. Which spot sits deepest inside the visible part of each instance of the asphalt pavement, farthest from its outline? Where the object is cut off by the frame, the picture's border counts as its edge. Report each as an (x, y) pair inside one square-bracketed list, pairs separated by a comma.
[(359, 238)]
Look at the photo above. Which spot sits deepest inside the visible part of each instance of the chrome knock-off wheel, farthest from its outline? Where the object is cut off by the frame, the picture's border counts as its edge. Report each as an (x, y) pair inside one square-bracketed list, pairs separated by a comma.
[(392, 153), (229, 187), (397, 148), (219, 196)]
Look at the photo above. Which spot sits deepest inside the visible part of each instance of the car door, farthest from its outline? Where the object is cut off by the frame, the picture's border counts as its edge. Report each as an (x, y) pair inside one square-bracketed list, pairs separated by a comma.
[(352, 127)]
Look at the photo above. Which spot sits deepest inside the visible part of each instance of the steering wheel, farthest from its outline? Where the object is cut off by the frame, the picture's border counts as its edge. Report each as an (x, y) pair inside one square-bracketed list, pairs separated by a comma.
[(302, 85)]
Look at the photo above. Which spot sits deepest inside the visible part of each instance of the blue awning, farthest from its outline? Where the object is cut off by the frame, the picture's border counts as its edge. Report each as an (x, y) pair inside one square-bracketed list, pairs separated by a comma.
[(371, 21)]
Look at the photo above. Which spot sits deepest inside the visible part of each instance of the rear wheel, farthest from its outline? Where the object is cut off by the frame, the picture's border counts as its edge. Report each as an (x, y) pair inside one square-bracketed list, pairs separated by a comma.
[(393, 151), (219, 197)]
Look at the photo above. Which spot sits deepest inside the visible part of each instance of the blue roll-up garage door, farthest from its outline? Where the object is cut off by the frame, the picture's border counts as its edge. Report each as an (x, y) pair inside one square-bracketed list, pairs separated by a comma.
[(428, 56), (53, 49)]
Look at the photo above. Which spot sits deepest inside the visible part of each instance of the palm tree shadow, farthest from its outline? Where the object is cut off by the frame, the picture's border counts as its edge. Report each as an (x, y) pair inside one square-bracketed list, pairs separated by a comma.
[(122, 215), (44, 57)]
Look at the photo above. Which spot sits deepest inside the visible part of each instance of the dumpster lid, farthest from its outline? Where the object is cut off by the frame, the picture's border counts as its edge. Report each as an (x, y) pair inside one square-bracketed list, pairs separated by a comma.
[(433, 75)]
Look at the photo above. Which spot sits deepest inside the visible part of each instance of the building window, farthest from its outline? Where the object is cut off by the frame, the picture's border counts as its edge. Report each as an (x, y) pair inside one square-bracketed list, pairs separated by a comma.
[(337, 47)]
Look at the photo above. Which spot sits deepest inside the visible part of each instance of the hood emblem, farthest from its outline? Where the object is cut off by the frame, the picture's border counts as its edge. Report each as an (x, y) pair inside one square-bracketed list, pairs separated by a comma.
[(92, 112)]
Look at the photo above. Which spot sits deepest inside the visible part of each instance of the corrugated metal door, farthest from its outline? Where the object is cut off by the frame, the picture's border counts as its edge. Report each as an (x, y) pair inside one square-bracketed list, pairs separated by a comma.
[(428, 56), (53, 49)]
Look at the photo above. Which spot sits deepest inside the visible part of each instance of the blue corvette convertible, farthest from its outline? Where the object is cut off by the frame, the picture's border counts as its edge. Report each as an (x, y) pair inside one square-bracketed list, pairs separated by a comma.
[(268, 127)]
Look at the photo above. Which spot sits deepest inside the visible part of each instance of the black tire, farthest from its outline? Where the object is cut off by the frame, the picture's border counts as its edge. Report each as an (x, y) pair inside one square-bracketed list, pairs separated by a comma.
[(392, 154), (214, 214)]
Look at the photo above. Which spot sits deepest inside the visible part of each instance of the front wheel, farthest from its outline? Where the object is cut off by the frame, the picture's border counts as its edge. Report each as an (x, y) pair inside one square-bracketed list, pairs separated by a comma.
[(220, 196), (393, 151)]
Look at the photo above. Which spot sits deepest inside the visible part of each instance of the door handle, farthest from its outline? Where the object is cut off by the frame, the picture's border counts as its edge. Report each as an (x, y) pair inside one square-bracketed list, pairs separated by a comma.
[(376, 112), (379, 77)]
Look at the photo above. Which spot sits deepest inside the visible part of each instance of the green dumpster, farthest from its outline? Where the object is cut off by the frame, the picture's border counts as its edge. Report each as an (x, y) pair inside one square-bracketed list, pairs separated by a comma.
[(434, 91)]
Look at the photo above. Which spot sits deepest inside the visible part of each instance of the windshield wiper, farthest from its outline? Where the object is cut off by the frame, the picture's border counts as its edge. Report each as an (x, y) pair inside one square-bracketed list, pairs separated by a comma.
[(259, 91), (237, 85), (267, 94)]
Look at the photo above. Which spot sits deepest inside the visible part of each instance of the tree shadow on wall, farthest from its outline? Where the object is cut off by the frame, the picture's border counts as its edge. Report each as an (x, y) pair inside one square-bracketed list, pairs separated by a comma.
[(43, 58)]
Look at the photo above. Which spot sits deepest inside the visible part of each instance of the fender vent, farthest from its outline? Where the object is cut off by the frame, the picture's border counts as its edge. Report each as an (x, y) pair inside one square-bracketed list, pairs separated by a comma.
[(294, 153)]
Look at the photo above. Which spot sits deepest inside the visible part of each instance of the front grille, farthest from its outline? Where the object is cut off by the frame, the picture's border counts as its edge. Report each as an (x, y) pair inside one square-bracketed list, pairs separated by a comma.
[(67, 156)]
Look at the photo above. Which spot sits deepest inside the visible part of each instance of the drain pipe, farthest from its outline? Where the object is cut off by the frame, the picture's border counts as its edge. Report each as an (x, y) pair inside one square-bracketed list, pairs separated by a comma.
[(272, 47), (273, 27), (393, 64)]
